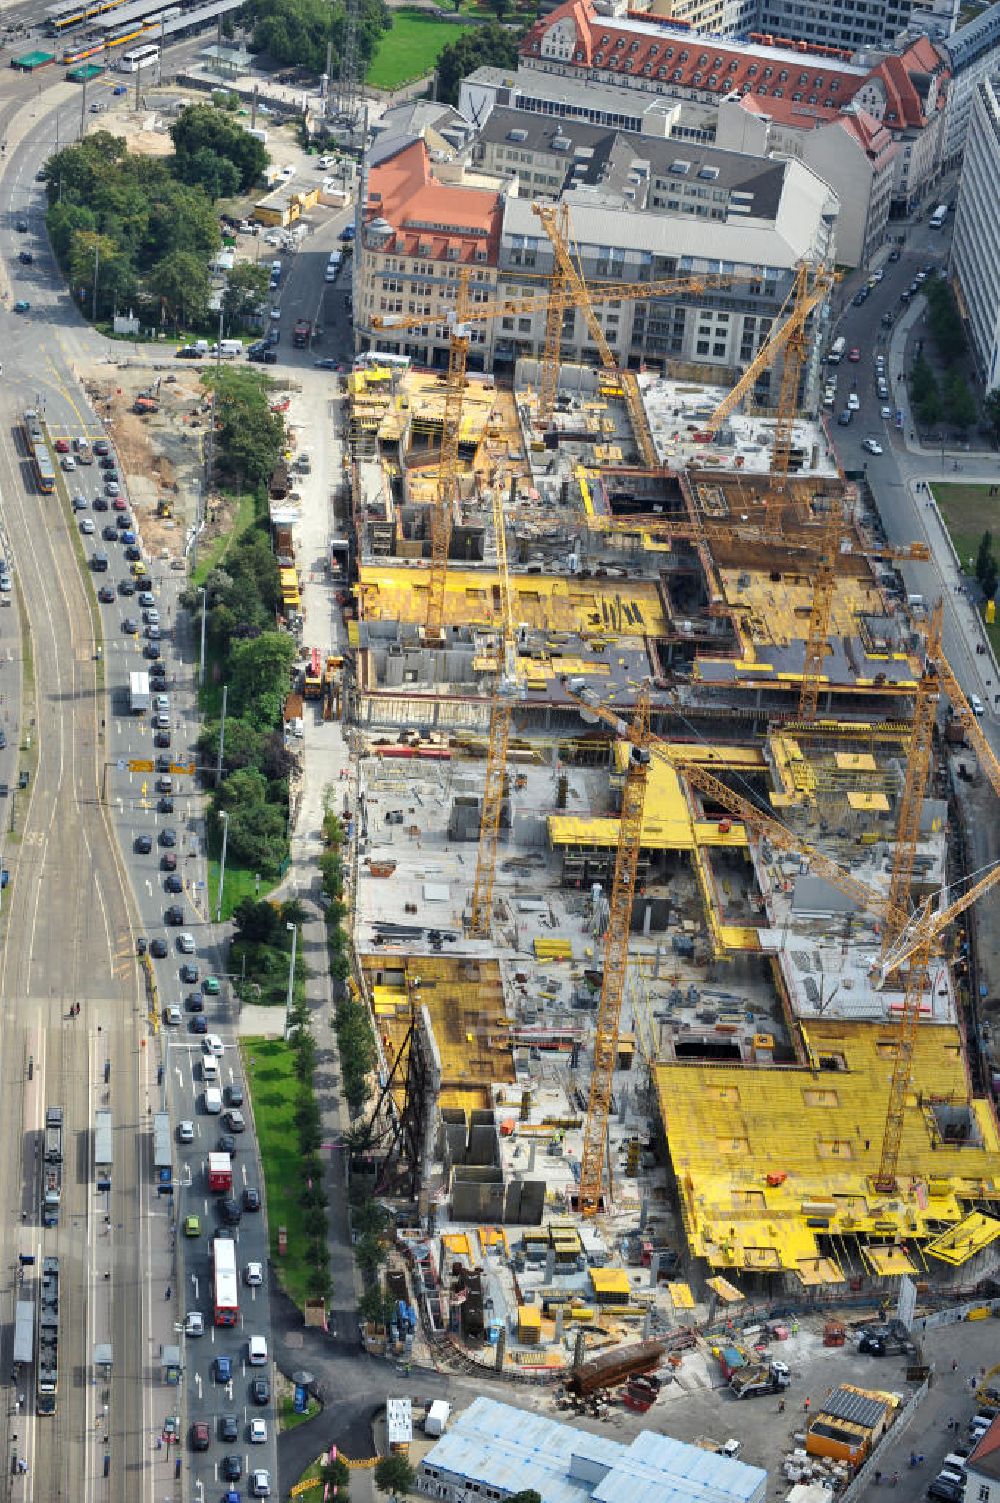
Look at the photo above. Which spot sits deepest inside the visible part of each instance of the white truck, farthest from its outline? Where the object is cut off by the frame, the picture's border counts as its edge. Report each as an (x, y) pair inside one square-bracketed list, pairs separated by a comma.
[(138, 693)]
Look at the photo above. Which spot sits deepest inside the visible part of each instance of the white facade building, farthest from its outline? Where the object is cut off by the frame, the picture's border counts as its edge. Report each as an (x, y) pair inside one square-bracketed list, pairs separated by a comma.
[(975, 246)]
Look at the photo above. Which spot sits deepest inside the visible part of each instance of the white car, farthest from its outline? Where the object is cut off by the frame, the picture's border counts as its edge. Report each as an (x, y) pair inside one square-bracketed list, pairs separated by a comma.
[(185, 943), (878, 275), (275, 314), (886, 412), (253, 1275), (324, 163), (330, 275), (976, 705), (260, 1484), (873, 446), (68, 462), (194, 1325), (87, 527), (185, 1129), (258, 1432), (212, 1044), (172, 1015), (853, 402)]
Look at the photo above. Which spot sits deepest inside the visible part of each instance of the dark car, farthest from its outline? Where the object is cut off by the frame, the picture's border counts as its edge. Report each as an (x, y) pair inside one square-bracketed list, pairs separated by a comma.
[(235, 1120), (168, 838), (200, 1436), (189, 974), (168, 862), (25, 258), (163, 764), (109, 534), (226, 1143), (161, 739), (22, 226), (101, 447), (198, 1024), (143, 845), (229, 1209), (99, 503), (195, 1002), (229, 1427), (106, 595), (158, 949), (174, 916), (133, 553), (106, 461), (232, 1468), (129, 626), (260, 1391), (223, 1369), (165, 806), (164, 785), (151, 650), (251, 1199), (123, 522), (126, 587), (234, 1095), (173, 883)]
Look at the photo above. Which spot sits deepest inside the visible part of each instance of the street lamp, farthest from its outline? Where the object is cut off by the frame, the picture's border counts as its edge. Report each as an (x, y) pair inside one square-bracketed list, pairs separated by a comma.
[(293, 930), (223, 815), (201, 661)]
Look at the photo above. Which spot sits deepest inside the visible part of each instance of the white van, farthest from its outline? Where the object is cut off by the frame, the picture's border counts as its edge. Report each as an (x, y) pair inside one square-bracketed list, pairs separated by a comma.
[(209, 1067), (213, 1099), (257, 1351), (228, 348)]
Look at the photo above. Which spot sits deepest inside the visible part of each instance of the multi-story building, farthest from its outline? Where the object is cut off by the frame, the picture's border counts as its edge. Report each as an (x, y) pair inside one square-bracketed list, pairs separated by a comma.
[(612, 105), (975, 245), (418, 232), (906, 91), (974, 54), (691, 216), (855, 153), (983, 1468)]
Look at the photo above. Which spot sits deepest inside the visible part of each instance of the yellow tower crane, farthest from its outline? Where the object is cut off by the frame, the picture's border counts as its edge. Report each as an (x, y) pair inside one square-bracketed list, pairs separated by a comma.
[(915, 934), (458, 320), (505, 689), (616, 940)]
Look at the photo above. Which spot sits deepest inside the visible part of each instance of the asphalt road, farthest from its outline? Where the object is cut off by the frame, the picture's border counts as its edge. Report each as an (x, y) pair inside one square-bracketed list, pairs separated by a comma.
[(78, 900)]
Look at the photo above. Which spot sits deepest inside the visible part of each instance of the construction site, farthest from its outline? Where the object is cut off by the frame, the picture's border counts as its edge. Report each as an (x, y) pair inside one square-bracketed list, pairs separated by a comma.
[(654, 899)]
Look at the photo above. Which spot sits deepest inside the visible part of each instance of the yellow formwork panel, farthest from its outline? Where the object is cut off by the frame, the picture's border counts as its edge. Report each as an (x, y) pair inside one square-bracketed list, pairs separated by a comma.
[(775, 612), (889, 1261), (772, 1160), (615, 609), (962, 1242), (464, 1000), (666, 821), (681, 1296)]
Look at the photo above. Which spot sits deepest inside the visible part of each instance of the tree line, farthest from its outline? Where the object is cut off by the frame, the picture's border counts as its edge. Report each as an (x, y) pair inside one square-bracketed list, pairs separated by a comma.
[(139, 232)]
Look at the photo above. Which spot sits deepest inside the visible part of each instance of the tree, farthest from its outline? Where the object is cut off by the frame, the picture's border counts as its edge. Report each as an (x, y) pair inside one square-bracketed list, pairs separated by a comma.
[(180, 282), (499, 8), (202, 134), (987, 569), (395, 1474), (526, 1495), (475, 48), (336, 1474), (991, 413), (260, 675), (246, 288), (257, 922), (258, 837), (959, 403), (374, 1306)]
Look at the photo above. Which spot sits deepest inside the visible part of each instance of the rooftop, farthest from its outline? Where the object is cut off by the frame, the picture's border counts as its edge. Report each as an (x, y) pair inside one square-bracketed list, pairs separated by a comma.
[(511, 1449)]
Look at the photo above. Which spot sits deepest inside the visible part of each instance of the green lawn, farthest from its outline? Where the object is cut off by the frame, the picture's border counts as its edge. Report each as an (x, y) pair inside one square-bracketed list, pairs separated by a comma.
[(410, 49), (240, 884), (269, 1065), (211, 556), (969, 511), (288, 1419)]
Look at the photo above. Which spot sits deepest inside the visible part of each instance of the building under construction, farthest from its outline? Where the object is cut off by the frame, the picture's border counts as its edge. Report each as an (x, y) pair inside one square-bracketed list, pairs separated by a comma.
[(655, 878)]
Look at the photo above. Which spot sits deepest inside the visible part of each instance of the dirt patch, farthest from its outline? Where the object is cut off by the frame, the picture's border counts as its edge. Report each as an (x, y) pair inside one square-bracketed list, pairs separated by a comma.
[(161, 453)]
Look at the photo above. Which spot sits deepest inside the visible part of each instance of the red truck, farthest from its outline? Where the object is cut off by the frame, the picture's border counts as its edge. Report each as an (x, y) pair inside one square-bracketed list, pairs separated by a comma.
[(220, 1173), (301, 333)]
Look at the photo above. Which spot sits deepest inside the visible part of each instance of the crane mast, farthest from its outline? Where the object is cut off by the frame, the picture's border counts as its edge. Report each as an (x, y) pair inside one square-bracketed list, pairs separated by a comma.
[(616, 943)]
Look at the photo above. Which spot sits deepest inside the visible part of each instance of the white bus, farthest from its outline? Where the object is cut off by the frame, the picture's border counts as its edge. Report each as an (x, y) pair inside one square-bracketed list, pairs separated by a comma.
[(837, 349), (140, 57), (939, 216)]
